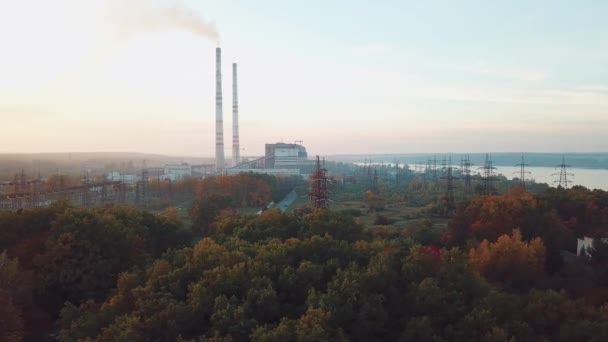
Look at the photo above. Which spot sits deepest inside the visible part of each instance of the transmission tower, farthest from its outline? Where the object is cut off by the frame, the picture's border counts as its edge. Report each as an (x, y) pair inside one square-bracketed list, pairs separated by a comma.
[(104, 191), (449, 186), (374, 187), (444, 165), (466, 174), (170, 190), (369, 173), (397, 173), (318, 183), (122, 189), (429, 166), (20, 184), (435, 169), (37, 188), (565, 177), (522, 172), (85, 194), (141, 194), (488, 178)]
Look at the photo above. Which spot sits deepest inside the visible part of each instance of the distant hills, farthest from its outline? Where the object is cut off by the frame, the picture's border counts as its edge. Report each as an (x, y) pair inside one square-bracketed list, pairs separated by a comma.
[(101, 162), (83, 162)]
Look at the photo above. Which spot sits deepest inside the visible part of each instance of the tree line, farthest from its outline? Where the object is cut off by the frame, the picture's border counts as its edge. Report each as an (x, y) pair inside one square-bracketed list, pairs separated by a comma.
[(122, 274)]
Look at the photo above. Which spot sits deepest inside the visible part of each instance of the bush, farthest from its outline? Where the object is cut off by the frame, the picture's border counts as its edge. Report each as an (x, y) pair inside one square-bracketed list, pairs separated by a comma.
[(383, 220)]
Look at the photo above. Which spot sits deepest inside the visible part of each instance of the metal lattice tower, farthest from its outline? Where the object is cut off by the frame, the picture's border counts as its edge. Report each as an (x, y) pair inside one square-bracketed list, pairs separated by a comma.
[(170, 189), (435, 178), (488, 178), (104, 191), (369, 174), (122, 189), (20, 184), (466, 174), (522, 172), (429, 168), (374, 187), (444, 165), (85, 194), (450, 186), (37, 189), (565, 177), (397, 173), (318, 183), (141, 193)]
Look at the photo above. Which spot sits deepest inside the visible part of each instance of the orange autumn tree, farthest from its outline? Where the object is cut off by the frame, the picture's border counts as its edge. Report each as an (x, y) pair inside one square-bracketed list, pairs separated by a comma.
[(489, 217), (510, 260)]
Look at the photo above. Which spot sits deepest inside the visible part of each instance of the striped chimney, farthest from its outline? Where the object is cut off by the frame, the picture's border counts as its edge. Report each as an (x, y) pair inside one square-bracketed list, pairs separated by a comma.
[(236, 155), (219, 116)]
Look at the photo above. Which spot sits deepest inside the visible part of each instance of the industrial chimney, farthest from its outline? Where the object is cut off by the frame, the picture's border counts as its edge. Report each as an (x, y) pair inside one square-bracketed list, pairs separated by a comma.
[(236, 155), (219, 116)]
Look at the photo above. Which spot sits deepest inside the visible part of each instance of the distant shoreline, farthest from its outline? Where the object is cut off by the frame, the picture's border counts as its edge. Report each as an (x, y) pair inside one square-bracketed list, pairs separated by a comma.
[(583, 160), (596, 161)]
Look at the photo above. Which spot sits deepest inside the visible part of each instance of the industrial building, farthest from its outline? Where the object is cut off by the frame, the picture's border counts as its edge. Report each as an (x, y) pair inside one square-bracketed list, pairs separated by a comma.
[(279, 159), (173, 172), (285, 156)]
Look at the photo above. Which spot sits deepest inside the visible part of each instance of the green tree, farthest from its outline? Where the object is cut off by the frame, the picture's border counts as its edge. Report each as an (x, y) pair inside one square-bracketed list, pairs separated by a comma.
[(206, 208)]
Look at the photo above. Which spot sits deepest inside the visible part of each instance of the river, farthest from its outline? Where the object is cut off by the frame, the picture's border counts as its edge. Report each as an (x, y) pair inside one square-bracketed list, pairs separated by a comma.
[(589, 178)]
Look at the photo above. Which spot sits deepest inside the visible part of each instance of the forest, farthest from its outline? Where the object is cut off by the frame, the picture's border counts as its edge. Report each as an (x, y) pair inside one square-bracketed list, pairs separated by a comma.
[(497, 272)]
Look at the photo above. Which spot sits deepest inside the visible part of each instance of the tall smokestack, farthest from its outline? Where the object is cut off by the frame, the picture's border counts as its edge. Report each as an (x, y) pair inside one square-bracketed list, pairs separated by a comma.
[(219, 116), (236, 155)]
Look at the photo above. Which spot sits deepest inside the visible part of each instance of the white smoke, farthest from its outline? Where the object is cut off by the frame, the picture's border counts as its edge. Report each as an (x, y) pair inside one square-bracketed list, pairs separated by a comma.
[(117, 21), (134, 16)]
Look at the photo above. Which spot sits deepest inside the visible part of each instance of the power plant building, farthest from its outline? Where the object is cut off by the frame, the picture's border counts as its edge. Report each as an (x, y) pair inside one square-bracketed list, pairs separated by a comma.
[(279, 159), (285, 156)]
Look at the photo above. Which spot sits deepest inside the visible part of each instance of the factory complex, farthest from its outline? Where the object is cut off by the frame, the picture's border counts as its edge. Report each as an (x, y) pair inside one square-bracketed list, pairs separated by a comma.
[(279, 158)]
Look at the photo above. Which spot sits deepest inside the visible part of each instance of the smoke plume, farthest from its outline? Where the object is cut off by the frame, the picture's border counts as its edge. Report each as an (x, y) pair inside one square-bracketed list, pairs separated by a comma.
[(122, 19), (135, 16)]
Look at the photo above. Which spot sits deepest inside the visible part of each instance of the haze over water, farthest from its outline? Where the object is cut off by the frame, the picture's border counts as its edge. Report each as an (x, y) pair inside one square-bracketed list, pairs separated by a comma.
[(589, 178)]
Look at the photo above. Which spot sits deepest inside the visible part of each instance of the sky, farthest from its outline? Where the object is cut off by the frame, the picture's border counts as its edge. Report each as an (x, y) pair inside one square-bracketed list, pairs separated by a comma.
[(344, 77)]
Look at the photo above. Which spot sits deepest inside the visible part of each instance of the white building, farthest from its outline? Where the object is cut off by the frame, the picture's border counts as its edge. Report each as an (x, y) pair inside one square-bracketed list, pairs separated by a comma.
[(585, 244), (116, 176), (177, 172), (274, 172), (285, 156)]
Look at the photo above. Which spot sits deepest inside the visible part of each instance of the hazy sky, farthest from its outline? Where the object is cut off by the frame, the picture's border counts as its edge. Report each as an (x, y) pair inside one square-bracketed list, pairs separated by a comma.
[(343, 76)]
